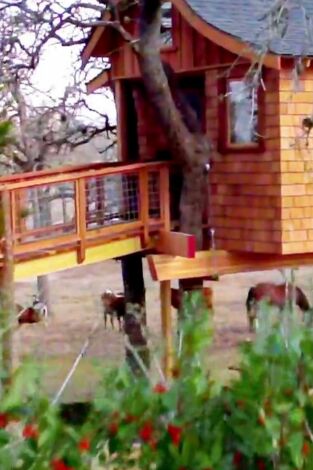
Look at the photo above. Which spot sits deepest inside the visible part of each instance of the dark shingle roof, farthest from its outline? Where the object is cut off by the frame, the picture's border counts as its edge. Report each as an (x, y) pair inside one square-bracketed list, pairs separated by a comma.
[(248, 20)]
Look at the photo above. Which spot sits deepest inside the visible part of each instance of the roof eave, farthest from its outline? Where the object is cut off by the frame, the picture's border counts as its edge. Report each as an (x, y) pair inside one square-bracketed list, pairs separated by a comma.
[(220, 38), (223, 39), (93, 39), (103, 79)]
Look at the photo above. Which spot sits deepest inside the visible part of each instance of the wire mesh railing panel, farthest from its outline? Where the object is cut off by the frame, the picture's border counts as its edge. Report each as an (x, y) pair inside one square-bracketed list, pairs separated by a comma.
[(44, 212), (112, 200), (154, 195)]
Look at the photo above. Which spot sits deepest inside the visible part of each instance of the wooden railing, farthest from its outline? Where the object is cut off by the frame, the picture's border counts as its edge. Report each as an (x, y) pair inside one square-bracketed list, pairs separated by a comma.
[(86, 206)]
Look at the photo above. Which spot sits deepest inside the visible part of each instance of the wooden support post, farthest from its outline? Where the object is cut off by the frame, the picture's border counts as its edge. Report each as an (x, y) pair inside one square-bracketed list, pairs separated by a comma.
[(144, 204), (135, 316), (165, 198), (81, 222), (166, 320), (7, 306)]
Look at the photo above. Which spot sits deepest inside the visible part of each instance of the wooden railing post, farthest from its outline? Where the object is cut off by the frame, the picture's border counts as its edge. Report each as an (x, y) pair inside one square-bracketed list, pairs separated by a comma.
[(144, 203), (7, 306), (166, 321), (14, 208), (80, 213), (165, 198)]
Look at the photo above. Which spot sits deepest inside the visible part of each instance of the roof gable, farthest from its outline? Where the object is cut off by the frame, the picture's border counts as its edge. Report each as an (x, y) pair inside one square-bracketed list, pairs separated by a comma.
[(247, 20)]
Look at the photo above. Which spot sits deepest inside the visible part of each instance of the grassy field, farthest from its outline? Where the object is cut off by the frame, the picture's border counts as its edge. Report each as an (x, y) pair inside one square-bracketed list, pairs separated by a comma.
[(76, 308)]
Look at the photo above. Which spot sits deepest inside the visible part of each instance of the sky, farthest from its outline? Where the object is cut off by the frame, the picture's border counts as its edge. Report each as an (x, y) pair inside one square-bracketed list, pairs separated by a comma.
[(54, 72)]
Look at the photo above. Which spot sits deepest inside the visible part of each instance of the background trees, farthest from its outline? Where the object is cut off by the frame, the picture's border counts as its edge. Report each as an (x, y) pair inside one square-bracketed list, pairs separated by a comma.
[(49, 123)]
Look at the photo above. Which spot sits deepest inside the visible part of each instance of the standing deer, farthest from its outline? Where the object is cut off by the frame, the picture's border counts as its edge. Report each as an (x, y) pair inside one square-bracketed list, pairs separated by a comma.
[(114, 305), (277, 295)]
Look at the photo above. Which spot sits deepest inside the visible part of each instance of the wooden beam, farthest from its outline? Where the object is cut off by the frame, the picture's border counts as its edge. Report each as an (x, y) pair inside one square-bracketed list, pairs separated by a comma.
[(67, 260), (208, 263), (101, 80), (166, 322), (176, 244), (223, 39)]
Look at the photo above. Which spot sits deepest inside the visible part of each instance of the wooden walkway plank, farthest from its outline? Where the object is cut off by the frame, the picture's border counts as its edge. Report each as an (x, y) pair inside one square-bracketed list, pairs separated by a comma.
[(208, 263)]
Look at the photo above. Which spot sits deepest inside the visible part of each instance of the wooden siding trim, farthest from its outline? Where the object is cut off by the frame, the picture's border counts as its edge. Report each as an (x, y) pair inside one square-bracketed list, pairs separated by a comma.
[(93, 40), (103, 79), (223, 39), (210, 32)]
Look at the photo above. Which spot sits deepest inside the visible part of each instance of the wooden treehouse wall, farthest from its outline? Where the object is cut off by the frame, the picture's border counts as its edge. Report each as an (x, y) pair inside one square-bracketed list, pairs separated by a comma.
[(190, 51), (245, 187), (259, 201), (296, 162)]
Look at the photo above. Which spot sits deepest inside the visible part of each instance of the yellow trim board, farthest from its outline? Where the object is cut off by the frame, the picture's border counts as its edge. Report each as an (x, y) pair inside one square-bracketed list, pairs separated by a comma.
[(62, 261)]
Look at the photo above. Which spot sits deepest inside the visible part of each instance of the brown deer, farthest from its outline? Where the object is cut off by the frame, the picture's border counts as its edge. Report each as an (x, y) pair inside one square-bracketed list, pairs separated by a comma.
[(277, 295), (113, 304), (177, 298)]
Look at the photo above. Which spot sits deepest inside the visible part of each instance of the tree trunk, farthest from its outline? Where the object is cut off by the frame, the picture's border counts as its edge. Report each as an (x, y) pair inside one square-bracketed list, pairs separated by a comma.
[(7, 305), (42, 218), (43, 288), (189, 146), (135, 318)]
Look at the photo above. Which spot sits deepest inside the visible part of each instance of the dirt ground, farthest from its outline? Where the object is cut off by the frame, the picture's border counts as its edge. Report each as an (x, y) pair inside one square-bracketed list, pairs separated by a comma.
[(76, 308)]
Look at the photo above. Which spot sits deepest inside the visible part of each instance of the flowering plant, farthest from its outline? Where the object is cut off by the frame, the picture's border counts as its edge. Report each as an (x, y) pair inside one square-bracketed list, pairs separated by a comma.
[(263, 419)]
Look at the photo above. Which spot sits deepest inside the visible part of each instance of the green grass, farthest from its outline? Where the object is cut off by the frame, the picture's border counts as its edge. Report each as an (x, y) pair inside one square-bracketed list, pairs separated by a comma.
[(83, 382), (88, 373)]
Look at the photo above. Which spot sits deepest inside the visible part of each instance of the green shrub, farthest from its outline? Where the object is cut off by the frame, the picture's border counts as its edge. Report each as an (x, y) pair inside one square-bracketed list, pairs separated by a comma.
[(262, 420)]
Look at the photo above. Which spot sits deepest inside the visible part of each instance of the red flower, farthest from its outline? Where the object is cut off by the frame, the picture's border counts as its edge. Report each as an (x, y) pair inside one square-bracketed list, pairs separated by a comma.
[(84, 445), (176, 372), (113, 428), (130, 418), (261, 465), (305, 449), (30, 432), (175, 433), (160, 388), (153, 443), (58, 464), (237, 459), (4, 420), (146, 432)]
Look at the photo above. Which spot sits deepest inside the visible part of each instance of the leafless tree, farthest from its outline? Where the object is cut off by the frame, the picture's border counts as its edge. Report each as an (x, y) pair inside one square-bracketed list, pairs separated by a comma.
[(46, 126), (68, 22)]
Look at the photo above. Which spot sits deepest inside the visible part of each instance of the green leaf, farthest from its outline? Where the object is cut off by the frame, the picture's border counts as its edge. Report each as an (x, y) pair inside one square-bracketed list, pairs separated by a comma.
[(295, 443)]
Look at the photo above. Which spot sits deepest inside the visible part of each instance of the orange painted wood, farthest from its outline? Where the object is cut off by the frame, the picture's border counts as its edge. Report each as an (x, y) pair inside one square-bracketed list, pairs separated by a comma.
[(13, 218), (176, 244), (218, 37), (80, 212), (207, 263), (165, 198), (101, 80), (166, 324), (56, 241), (121, 120), (144, 204), (20, 234), (41, 246), (40, 180), (187, 46)]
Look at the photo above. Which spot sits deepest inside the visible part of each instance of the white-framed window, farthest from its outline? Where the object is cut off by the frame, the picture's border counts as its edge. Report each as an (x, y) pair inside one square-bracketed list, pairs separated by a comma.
[(167, 25)]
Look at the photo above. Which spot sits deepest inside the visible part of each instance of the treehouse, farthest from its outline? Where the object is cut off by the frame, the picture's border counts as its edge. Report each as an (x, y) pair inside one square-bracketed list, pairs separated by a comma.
[(247, 74), (261, 182)]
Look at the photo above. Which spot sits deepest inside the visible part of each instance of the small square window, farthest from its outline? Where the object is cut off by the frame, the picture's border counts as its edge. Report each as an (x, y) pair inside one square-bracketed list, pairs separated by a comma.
[(240, 116), (243, 113), (167, 25)]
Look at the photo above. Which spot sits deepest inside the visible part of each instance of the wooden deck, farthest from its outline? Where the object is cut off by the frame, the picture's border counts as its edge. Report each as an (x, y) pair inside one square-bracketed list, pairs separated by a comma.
[(80, 215)]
